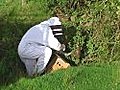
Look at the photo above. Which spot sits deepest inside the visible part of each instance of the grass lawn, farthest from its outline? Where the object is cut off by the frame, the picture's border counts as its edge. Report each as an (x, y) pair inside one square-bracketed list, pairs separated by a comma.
[(92, 77)]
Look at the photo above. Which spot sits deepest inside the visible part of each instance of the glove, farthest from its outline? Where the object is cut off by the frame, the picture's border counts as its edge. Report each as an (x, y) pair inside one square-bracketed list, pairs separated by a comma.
[(62, 47)]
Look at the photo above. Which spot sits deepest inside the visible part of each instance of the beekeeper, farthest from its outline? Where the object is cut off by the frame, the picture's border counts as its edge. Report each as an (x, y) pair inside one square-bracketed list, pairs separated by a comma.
[(35, 47)]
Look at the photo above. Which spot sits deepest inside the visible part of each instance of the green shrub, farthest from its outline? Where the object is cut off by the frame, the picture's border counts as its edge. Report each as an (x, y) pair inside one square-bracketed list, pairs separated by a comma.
[(96, 25)]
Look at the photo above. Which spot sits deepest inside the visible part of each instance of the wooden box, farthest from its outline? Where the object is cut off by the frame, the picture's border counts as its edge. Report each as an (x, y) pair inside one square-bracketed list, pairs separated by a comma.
[(57, 63)]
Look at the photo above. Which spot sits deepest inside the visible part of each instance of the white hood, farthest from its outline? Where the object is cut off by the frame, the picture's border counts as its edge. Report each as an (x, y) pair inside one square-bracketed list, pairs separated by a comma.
[(52, 21)]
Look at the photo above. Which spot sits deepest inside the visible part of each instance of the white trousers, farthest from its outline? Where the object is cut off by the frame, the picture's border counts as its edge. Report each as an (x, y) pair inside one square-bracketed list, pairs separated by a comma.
[(35, 59)]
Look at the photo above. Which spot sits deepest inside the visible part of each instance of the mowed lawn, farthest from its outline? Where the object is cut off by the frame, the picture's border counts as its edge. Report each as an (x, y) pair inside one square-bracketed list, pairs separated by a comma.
[(91, 77)]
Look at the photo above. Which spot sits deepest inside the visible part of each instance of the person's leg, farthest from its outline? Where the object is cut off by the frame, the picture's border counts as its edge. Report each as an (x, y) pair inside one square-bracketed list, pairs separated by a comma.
[(43, 60), (29, 56), (30, 66)]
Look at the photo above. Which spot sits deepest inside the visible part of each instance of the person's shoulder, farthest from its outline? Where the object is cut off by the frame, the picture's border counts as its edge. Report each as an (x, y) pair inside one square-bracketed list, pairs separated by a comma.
[(44, 26), (34, 27)]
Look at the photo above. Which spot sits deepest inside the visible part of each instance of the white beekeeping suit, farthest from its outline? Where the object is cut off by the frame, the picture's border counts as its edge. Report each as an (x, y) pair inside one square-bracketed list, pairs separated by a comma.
[(35, 48)]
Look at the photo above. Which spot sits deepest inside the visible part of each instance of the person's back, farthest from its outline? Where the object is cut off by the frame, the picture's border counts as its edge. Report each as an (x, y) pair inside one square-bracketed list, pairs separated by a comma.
[(38, 35)]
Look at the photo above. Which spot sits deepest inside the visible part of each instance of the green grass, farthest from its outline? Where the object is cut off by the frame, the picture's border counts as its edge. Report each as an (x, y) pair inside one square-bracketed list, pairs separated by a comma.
[(92, 77)]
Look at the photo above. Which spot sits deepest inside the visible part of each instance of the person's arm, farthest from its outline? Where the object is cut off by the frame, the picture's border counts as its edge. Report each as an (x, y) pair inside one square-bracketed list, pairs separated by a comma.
[(54, 43)]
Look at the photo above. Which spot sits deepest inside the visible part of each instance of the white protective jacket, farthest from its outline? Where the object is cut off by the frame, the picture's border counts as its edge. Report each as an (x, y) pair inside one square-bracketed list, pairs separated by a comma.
[(40, 34)]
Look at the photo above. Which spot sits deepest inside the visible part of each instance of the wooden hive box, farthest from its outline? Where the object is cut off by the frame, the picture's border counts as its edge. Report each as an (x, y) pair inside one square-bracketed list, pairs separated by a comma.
[(57, 63)]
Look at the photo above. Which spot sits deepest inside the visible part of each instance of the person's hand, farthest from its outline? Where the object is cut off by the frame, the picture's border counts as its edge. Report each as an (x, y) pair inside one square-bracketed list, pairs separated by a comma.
[(62, 47)]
